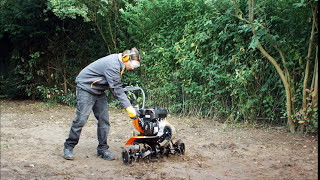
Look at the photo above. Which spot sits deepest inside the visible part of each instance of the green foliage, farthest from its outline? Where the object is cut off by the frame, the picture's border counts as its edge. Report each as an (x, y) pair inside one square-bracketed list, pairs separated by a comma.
[(69, 8), (193, 58), (54, 95), (45, 49)]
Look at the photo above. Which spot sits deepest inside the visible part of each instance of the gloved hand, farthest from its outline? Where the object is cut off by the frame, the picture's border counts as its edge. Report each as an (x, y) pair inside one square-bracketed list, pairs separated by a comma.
[(132, 112)]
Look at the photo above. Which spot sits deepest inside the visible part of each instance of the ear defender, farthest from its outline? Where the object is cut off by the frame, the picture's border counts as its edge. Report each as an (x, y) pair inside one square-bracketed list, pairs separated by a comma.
[(127, 57)]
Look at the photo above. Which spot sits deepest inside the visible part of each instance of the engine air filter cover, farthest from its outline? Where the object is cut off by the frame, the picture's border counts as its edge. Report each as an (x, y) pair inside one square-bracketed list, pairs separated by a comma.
[(153, 113)]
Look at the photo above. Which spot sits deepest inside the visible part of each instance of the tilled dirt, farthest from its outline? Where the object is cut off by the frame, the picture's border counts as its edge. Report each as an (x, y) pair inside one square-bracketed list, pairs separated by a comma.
[(32, 137)]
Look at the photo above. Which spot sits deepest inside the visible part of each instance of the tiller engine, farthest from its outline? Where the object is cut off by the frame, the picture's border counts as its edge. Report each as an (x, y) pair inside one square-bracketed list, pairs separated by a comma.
[(156, 138)]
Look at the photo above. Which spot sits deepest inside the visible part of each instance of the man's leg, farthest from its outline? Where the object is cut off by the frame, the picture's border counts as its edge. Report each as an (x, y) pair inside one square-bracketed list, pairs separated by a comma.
[(100, 110), (85, 102)]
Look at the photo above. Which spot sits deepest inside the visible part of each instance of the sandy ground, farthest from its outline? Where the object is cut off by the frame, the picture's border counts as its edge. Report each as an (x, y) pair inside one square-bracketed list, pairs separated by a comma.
[(32, 137)]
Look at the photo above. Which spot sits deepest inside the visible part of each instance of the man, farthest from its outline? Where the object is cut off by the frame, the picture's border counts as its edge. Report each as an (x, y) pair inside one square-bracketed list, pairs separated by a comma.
[(92, 82)]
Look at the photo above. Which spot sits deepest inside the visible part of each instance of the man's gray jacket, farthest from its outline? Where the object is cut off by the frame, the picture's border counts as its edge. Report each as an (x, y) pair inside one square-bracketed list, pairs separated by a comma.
[(102, 74)]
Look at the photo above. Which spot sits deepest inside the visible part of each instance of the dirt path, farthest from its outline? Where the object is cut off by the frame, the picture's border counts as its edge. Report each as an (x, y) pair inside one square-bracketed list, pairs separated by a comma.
[(32, 138)]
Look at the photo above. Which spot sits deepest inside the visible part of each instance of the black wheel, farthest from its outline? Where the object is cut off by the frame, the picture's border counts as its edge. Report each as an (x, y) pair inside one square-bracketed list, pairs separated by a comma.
[(179, 147), (126, 157), (167, 132), (182, 148)]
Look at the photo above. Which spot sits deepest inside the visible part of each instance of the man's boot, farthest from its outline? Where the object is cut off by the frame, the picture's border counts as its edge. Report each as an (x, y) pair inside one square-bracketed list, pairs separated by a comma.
[(106, 155), (68, 154)]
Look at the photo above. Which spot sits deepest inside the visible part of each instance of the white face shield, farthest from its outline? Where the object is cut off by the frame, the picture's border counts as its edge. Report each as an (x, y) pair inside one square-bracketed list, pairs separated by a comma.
[(135, 64)]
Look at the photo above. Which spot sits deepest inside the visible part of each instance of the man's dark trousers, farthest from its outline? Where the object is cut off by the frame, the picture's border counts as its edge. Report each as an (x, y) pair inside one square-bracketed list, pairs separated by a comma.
[(85, 103)]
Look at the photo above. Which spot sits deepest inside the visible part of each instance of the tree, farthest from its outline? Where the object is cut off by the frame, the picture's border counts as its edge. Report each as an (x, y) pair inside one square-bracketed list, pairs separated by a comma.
[(103, 13), (283, 73)]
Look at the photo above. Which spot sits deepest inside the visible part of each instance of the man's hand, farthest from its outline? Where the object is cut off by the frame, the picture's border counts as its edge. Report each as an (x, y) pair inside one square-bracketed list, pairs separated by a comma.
[(132, 112)]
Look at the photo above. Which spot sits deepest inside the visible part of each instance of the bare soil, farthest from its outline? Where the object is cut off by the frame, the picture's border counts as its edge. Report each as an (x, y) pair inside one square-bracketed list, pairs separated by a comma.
[(32, 137)]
